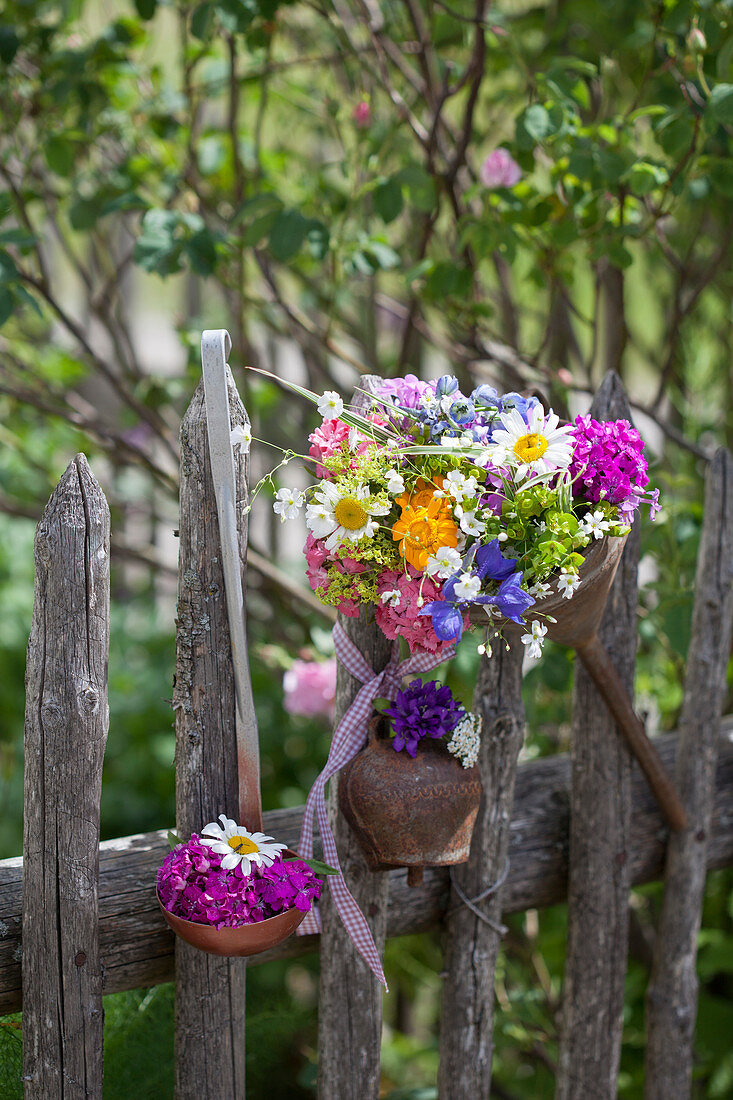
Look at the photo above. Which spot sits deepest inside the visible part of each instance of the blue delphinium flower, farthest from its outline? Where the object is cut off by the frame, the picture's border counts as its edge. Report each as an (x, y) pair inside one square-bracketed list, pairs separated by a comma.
[(422, 710), (485, 563)]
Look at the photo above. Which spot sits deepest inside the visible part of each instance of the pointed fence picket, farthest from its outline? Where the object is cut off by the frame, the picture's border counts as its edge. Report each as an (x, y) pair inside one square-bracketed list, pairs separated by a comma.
[(90, 920)]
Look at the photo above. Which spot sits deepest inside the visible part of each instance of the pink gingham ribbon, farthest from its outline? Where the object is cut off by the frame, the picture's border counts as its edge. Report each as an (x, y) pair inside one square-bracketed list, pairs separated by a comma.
[(349, 737)]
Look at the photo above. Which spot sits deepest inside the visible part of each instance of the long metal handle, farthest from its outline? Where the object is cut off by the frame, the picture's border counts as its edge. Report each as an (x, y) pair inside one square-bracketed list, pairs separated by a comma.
[(215, 347), (612, 690)]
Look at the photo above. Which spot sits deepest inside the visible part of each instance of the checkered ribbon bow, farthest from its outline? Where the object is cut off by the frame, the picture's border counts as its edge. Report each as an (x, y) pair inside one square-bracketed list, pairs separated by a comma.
[(349, 737)]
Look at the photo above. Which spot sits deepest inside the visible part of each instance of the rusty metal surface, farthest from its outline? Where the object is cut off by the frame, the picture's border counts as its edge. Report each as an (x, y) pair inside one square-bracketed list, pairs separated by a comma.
[(577, 619), (405, 812)]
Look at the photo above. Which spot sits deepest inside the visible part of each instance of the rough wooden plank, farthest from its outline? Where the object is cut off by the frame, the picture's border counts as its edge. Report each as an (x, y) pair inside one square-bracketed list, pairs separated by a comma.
[(350, 1001), (210, 991), (472, 945), (67, 717), (672, 993), (600, 840), (137, 947)]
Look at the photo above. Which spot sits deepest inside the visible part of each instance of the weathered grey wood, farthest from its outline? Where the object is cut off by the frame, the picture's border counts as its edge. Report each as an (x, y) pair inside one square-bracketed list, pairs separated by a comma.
[(672, 992), (350, 1002), (471, 945), (66, 724), (137, 946), (600, 841), (210, 991)]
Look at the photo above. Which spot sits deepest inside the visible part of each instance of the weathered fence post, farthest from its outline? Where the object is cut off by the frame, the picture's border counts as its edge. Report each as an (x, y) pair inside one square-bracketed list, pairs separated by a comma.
[(472, 944), (600, 828), (210, 991), (67, 718), (350, 1004), (672, 993)]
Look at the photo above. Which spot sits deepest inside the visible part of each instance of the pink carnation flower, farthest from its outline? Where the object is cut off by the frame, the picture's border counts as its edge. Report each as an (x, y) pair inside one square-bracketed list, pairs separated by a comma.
[(310, 688), (500, 170), (400, 616), (328, 440)]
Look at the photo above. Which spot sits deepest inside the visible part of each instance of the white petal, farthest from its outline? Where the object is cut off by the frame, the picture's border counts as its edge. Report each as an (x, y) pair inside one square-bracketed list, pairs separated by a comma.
[(230, 861)]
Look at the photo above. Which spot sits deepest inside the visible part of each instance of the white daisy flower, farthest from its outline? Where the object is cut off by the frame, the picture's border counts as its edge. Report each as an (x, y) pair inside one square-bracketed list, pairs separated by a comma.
[(467, 587), (567, 584), (594, 524), (535, 447), (444, 563), (535, 640), (461, 487), (395, 482), (288, 503), (238, 846), (241, 436), (330, 406), (340, 516), (393, 597)]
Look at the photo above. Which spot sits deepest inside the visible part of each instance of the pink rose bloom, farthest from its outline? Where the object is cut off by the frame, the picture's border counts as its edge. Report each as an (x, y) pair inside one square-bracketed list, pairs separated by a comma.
[(362, 114), (310, 688), (400, 616), (500, 170)]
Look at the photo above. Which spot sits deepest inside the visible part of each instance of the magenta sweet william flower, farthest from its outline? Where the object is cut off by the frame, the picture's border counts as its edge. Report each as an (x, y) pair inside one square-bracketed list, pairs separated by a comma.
[(310, 688), (500, 170), (230, 899), (609, 464)]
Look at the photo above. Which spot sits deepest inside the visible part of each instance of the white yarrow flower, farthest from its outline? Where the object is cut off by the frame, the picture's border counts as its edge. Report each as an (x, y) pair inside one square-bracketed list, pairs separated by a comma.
[(444, 563), (535, 640), (330, 406), (238, 846), (567, 584), (241, 436), (288, 503), (466, 740)]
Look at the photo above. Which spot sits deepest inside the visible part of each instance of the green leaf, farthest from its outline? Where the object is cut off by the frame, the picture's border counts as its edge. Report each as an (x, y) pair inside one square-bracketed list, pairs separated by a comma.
[(316, 865), (6, 304), (533, 126), (173, 840), (419, 185), (157, 249), (60, 155), (644, 177), (720, 171), (721, 103), (9, 43), (146, 8), (201, 252), (319, 239), (201, 21), (388, 200), (287, 234)]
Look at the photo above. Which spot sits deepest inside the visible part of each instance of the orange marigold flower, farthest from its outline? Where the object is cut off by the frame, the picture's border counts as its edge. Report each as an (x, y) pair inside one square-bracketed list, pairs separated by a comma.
[(422, 531)]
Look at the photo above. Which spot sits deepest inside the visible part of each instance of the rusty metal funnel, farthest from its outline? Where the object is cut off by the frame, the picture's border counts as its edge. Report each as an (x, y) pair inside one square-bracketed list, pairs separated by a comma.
[(576, 624)]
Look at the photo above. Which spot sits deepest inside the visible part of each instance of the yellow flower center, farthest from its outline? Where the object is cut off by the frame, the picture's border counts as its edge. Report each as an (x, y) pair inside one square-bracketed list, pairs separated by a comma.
[(242, 845), (350, 514), (529, 448)]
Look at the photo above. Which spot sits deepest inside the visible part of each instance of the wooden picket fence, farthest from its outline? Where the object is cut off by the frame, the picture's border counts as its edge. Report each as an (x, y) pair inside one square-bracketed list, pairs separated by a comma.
[(583, 826)]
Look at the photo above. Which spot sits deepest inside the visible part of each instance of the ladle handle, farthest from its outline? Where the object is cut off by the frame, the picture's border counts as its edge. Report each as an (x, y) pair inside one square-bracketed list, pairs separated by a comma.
[(215, 347), (602, 671)]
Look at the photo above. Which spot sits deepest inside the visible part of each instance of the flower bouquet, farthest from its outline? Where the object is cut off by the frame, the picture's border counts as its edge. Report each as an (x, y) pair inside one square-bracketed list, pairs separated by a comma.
[(384, 798), (443, 511), (231, 892)]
